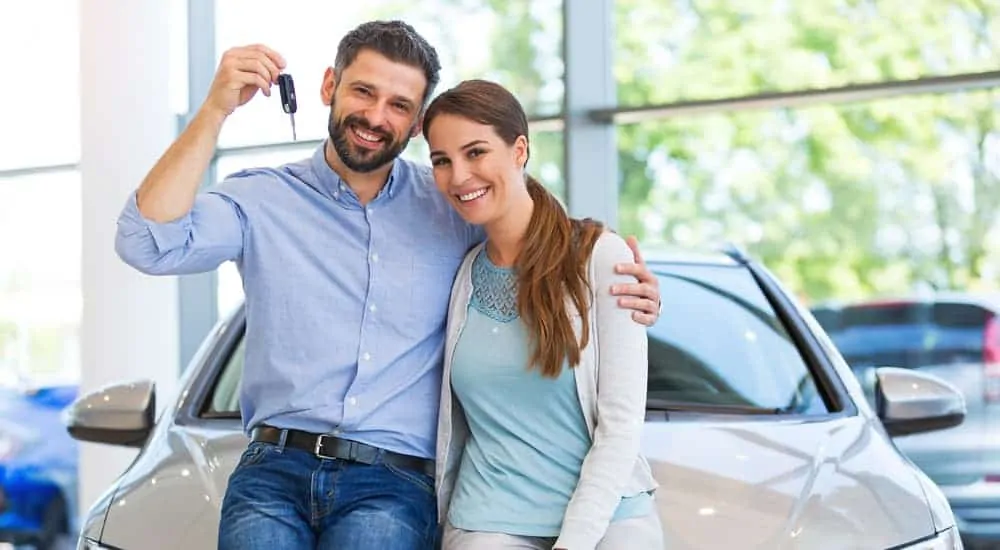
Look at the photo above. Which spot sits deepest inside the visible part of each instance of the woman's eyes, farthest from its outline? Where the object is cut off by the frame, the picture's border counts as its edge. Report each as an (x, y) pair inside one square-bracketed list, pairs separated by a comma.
[(471, 153)]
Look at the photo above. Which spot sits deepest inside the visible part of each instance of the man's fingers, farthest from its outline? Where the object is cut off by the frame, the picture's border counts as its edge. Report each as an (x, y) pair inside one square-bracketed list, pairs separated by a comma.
[(242, 79), (256, 66), (272, 55), (634, 289), (644, 318), (633, 243), (272, 62), (636, 269), (641, 305), (271, 70), (253, 72)]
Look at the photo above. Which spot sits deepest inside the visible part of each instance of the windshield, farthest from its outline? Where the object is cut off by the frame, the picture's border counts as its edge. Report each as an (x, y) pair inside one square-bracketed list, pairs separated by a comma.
[(719, 345)]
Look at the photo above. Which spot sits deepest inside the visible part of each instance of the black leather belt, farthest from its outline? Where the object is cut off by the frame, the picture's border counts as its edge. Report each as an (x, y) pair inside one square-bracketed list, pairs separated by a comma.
[(333, 447)]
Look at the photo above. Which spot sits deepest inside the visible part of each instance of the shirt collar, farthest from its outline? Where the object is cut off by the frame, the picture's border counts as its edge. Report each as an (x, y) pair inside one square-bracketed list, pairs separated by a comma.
[(332, 185)]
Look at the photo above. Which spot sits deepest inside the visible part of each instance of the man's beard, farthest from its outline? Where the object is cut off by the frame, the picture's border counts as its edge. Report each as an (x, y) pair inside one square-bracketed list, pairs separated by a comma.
[(356, 158)]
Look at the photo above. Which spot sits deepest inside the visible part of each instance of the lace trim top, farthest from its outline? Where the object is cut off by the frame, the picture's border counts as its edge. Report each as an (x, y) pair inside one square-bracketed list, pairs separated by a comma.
[(494, 289)]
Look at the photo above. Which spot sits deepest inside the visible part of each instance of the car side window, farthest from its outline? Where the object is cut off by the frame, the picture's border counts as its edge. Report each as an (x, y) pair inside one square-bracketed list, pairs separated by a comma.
[(224, 401), (720, 344)]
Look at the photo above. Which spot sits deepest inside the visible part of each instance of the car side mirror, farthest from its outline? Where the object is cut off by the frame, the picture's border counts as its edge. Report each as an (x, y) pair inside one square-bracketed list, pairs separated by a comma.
[(910, 402), (119, 414)]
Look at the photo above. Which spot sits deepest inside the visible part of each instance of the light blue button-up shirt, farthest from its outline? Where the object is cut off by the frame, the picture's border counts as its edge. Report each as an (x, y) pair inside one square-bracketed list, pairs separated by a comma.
[(346, 304)]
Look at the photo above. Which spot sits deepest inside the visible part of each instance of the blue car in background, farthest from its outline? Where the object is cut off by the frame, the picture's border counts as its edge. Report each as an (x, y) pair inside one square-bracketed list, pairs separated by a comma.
[(38, 466)]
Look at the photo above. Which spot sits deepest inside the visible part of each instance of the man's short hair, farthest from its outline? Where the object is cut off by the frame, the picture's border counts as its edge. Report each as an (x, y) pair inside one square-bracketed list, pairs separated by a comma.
[(397, 41)]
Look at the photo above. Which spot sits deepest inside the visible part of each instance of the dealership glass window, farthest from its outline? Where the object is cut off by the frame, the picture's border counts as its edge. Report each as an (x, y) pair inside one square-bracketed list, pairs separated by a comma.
[(517, 44), (39, 101), (546, 161), (40, 290), (678, 50), (841, 200)]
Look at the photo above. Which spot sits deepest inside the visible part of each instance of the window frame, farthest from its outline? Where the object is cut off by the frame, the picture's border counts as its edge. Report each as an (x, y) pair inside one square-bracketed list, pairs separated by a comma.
[(840, 401), (209, 365)]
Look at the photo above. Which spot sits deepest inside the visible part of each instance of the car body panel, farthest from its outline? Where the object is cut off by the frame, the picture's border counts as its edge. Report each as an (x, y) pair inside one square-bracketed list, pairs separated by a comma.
[(183, 478), (797, 483), (963, 461), (789, 482), (783, 485)]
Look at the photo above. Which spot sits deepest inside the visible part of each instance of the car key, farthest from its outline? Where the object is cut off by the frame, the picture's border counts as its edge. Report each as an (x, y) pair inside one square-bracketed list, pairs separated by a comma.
[(288, 103)]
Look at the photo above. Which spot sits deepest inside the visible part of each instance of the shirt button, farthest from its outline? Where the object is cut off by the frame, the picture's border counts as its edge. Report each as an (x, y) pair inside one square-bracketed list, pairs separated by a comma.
[(372, 307), (353, 401), (375, 257), (366, 356)]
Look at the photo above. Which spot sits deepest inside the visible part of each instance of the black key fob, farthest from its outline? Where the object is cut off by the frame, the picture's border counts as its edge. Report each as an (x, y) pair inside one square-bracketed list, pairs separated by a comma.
[(287, 88)]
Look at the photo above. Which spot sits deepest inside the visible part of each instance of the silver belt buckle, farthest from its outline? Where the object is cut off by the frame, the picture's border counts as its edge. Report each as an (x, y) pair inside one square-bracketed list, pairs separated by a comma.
[(319, 446)]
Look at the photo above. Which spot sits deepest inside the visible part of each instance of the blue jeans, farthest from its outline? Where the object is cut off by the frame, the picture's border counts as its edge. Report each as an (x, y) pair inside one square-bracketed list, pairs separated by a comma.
[(281, 497)]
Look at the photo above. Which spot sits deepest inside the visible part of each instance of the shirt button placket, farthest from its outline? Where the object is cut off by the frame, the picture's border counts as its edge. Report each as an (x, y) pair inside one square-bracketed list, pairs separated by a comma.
[(365, 357)]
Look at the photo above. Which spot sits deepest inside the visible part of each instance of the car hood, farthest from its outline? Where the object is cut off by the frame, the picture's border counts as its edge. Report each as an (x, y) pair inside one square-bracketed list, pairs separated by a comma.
[(780, 485), (764, 484)]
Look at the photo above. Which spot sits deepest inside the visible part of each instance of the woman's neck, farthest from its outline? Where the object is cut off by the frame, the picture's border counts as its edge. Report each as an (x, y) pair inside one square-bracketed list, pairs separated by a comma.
[(505, 236)]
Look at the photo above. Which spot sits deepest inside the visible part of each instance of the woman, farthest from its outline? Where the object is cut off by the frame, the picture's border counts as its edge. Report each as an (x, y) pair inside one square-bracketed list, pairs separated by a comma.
[(544, 386)]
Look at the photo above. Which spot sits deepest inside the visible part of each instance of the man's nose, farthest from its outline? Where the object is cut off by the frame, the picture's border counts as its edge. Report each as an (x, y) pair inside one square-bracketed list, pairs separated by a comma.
[(376, 117)]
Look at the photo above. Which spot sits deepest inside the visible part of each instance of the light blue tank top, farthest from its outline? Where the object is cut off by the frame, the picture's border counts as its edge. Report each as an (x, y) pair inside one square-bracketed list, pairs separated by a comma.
[(528, 436)]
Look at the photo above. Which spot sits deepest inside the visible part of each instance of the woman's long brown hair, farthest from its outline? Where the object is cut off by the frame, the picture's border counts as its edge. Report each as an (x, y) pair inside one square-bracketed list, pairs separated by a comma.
[(552, 266)]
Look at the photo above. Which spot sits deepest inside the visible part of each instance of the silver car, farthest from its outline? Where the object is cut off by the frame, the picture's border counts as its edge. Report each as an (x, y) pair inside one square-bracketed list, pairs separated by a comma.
[(757, 431), (955, 337)]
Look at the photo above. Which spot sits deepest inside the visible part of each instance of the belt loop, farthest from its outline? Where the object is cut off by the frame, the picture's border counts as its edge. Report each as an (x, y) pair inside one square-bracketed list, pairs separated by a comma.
[(282, 439)]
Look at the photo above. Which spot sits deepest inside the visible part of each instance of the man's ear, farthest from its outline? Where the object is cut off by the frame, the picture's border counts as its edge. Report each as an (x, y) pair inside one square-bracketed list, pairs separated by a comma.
[(418, 126), (328, 86)]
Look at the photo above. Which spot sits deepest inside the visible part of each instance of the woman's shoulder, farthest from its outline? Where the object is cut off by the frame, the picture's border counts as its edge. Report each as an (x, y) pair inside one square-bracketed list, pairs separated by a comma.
[(610, 248)]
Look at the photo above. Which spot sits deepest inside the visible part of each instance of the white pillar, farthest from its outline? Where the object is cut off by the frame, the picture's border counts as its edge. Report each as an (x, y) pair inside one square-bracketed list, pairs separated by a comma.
[(591, 151), (129, 325)]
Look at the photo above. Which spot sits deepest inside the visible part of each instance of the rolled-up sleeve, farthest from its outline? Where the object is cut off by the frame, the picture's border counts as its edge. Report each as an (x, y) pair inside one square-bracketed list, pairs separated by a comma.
[(210, 234)]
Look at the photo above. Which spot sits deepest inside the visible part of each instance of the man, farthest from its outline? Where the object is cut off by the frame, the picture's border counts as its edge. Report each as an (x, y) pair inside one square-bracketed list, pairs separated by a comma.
[(347, 260)]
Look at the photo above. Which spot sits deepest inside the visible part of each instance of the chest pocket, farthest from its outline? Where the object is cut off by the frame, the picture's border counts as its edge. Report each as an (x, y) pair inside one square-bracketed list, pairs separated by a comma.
[(427, 294)]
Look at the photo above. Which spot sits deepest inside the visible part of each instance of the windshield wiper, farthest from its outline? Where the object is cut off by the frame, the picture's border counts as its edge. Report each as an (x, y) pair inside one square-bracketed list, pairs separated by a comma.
[(682, 406)]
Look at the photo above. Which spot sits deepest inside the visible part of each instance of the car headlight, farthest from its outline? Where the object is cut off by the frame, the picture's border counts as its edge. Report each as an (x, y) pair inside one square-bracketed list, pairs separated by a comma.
[(945, 540)]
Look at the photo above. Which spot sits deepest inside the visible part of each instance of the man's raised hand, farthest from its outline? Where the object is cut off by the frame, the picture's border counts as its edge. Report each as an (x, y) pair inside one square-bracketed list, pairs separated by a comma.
[(242, 72)]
